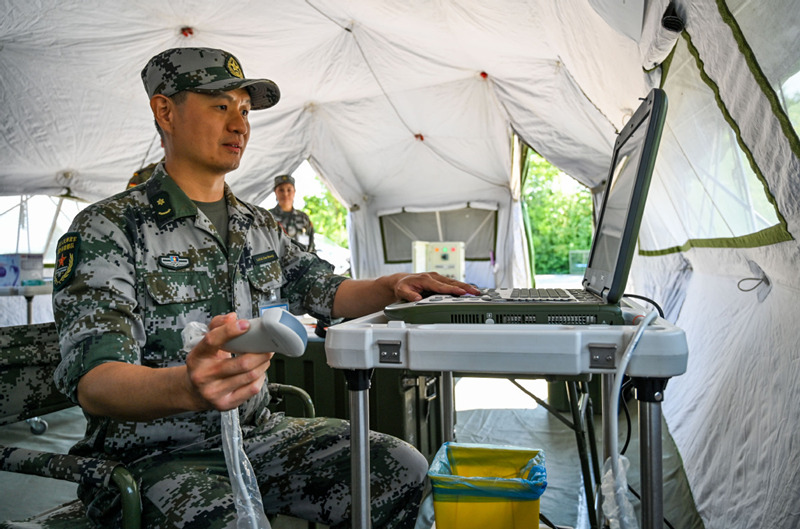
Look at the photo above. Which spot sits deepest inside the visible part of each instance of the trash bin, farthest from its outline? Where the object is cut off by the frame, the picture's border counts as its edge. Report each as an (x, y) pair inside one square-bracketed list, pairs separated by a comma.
[(479, 486)]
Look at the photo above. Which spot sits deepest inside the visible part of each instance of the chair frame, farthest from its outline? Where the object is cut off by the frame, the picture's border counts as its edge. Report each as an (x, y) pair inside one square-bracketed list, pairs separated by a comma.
[(29, 355)]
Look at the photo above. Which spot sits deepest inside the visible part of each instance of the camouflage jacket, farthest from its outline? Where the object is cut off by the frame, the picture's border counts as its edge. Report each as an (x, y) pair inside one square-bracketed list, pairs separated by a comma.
[(297, 226), (136, 268)]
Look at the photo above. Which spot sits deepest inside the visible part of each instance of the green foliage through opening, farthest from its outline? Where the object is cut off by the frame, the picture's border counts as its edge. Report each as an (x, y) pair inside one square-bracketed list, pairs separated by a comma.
[(328, 216), (559, 213)]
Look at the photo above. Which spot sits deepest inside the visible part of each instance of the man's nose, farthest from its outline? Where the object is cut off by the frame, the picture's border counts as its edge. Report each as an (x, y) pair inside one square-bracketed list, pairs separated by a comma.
[(238, 123)]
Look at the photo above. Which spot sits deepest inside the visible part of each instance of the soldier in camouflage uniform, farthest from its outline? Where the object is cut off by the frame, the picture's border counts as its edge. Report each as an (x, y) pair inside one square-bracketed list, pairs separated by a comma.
[(143, 174), (294, 222), (136, 268)]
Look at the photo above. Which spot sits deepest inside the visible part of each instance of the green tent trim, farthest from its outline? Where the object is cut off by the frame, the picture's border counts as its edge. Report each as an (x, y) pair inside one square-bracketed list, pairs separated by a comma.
[(779, 232)]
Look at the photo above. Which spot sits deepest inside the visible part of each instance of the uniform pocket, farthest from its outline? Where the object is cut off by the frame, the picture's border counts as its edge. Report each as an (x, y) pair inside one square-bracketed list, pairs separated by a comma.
[(173, 300), (167, 288), (265, 283)]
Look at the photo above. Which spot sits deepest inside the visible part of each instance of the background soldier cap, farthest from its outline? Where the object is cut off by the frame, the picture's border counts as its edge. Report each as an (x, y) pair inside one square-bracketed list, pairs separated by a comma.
[(204, 70), (283, 179)]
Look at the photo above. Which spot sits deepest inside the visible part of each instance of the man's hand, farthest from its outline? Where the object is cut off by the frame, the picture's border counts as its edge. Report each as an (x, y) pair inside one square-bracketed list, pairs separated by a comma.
[(411, 287), (211, 379), (218, 379), (357, 297)]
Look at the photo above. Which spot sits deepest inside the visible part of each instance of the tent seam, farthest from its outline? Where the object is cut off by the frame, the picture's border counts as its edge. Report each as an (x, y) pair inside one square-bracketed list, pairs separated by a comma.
[(665, 66), (760, 77), (768, 236)]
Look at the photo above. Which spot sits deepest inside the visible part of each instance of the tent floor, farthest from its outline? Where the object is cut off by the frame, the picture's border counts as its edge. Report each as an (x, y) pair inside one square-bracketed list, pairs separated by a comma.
[(563, 501)]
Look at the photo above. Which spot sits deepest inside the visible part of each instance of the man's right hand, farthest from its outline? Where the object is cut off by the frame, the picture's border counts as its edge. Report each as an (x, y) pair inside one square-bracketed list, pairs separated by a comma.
[(218, 379), (212, 378)]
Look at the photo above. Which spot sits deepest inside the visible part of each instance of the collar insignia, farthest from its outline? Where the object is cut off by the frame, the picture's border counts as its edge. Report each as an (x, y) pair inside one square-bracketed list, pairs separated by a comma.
[(162, 205)]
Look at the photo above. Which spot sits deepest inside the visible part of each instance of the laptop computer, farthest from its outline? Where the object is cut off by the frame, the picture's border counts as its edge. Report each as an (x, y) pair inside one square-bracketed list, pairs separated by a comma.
[(612, 249)]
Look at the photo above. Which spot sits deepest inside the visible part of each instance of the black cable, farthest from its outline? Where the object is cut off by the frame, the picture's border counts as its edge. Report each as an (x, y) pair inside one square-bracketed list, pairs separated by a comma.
[(650, 301), (624, 402), (546, 521)]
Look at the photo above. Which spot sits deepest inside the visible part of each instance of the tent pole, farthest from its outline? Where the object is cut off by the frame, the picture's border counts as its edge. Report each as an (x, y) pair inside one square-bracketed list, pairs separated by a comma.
[(53, 225), (21, 219)]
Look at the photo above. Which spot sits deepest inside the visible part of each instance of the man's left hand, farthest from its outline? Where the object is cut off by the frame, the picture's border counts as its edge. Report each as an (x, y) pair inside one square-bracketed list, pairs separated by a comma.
[(411, 287)]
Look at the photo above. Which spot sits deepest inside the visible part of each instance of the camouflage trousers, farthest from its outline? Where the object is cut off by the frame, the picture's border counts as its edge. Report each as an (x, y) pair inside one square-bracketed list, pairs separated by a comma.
[(303, 470)]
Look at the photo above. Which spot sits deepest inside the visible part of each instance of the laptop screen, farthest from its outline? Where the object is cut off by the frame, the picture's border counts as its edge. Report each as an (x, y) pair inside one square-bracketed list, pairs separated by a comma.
[(624, 198)]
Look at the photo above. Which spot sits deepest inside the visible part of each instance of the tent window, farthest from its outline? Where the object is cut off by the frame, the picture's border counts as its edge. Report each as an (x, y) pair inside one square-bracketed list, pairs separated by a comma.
[(709, 193), (777, 49), (477, 228), (790, 97)]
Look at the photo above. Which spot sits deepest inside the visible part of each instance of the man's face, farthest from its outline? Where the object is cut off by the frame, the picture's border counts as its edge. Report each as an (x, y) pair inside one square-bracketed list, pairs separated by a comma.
[(210, 131), (284, 193)]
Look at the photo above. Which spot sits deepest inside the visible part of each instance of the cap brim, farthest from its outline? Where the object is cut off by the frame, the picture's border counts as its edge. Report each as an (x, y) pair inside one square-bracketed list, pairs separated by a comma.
[(263, 92)]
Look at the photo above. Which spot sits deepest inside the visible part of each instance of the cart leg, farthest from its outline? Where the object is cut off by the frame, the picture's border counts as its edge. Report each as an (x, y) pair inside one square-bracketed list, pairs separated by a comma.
[(650, 393), (358, 383)]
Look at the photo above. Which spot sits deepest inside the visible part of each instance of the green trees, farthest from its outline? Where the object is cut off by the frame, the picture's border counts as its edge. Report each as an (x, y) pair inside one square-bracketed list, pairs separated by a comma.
[(328, 216), (560, 215)]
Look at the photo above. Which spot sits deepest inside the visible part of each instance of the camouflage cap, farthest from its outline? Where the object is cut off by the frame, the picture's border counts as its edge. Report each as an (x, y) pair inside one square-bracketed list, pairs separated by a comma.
[(283, 179), (204, 70)]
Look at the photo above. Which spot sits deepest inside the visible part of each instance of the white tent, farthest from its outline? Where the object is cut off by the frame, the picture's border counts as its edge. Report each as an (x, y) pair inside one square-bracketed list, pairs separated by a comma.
[(421, 106)]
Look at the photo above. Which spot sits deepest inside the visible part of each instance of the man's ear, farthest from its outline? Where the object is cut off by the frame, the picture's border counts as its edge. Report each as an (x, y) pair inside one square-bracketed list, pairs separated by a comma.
[(163, 111)]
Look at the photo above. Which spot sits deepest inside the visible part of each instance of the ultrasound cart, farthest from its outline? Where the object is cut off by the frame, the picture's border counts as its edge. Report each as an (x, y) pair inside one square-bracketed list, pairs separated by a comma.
[(361, 345)]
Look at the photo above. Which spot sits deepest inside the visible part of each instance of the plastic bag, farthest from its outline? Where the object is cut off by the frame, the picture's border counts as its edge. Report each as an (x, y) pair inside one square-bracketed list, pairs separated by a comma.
[(616, 505), (478, 486), (488, 471), (246, 496)]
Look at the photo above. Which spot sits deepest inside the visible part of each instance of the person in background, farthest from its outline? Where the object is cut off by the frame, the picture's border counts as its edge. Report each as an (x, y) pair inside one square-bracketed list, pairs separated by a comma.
[(294, 222), (141, 176)]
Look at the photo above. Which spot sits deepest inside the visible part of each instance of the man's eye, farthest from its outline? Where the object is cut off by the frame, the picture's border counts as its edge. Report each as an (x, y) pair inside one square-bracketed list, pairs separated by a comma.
[(223, 107), (245, 112)]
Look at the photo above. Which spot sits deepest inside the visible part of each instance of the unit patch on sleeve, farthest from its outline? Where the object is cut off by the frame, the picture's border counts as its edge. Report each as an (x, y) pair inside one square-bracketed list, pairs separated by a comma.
[(66, 258)]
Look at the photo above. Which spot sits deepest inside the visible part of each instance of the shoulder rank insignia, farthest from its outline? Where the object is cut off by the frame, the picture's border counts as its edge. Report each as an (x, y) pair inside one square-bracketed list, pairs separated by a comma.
[(162, 205), (173, 262), (66, 258)]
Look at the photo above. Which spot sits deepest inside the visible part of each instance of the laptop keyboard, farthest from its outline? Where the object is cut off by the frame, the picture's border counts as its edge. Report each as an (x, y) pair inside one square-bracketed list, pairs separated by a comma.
[(540, 294), (584, 295)]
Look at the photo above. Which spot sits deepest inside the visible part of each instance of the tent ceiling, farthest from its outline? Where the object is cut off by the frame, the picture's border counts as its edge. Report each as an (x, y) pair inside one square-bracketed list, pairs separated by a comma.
[(395, 103)]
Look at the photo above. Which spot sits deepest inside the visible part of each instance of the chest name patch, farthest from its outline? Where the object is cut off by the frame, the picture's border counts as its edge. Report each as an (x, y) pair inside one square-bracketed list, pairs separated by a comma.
[(174, 262), (265, 258)]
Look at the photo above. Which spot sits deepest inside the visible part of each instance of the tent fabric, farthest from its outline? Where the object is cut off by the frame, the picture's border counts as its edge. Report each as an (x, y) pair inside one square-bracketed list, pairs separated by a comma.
[(417, 105), (734, 414), (382, 98)]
